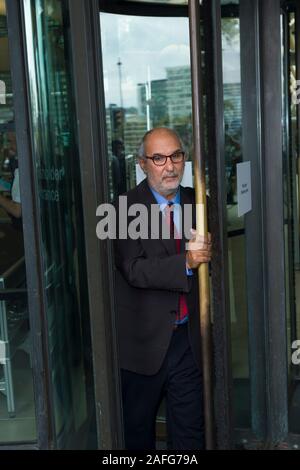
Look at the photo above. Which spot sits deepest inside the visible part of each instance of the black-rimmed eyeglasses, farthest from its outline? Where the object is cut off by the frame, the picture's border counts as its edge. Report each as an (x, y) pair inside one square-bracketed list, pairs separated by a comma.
[(161, 160)]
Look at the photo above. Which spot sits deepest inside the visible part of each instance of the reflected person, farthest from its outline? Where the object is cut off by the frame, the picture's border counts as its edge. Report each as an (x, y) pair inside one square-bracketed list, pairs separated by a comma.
[(118, 165)]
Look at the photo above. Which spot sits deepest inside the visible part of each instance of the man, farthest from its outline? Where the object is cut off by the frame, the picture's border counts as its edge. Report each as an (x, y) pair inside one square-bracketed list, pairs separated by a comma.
[(157, 304)]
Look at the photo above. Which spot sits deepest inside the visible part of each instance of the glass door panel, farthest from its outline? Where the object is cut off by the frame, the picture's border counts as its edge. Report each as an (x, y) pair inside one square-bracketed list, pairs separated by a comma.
[(147, 81), (17, 405), (236, 225), (58, 183), (291, 69)]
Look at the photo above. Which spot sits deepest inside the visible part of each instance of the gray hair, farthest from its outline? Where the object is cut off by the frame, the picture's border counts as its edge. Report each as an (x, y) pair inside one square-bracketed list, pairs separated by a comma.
[(141, 150)]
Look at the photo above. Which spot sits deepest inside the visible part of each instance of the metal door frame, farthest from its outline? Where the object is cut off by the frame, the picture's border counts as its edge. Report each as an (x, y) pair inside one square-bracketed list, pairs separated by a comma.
[(90, 104), (262, 145), (32, 233)]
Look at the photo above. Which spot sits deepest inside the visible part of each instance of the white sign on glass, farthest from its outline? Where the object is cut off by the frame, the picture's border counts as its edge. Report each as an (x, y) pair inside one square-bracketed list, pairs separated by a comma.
[(2, 352), (244, 193)]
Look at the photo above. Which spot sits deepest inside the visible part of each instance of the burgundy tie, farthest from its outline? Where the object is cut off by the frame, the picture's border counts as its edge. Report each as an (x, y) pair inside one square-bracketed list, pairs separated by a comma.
[(183, 308)]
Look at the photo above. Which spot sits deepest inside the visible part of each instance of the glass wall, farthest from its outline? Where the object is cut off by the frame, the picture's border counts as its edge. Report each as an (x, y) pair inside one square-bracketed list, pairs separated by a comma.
[(147, 81), (57, 174), (236, 224), (17, 406)]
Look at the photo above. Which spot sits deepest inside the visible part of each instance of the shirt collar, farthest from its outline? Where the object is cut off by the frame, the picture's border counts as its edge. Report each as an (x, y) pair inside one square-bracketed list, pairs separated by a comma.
[(161, 200)]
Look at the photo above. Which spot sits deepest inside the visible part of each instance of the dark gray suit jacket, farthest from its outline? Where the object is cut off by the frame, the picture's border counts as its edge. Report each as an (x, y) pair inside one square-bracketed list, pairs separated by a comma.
[(150, 276)]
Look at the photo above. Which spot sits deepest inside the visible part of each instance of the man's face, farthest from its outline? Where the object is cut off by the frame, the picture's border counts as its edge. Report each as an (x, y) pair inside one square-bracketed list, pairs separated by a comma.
[(163, 179)]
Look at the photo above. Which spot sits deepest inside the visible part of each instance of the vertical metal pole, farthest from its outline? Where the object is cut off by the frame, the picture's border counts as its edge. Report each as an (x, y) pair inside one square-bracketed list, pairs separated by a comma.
[(119, 64), (199, 170), (221, 330), (273, 220)]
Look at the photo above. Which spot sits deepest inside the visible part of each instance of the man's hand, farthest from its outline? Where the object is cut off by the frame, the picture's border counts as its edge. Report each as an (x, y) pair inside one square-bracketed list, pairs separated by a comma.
[(199, 251)]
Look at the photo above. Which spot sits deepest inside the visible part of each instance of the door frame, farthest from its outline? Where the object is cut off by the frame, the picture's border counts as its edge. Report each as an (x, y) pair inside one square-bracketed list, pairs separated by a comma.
[(32, 234), (91, 129)]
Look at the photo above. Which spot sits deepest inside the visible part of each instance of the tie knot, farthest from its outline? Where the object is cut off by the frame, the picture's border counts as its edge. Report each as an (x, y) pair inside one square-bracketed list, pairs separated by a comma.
[(169, 209)]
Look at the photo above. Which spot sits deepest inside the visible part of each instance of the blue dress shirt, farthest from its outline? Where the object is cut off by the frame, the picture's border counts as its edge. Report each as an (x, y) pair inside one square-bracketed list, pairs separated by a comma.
[(163, 203)]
